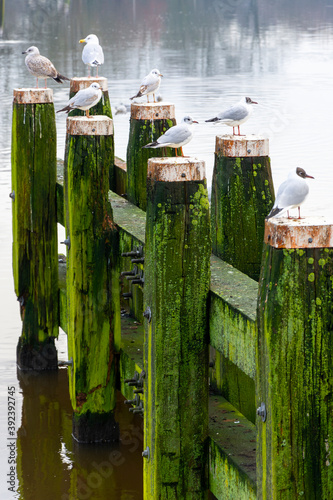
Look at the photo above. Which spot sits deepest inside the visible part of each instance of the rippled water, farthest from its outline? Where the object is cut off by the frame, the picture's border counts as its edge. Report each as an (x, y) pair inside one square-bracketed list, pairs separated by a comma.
[(211, 53)]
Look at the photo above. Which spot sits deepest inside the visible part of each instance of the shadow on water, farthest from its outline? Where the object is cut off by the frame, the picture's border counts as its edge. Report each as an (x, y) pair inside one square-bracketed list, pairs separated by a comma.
[(51, 465)]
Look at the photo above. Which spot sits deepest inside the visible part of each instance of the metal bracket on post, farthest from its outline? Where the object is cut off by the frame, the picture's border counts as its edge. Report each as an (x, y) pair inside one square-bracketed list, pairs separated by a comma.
[(261, 411)]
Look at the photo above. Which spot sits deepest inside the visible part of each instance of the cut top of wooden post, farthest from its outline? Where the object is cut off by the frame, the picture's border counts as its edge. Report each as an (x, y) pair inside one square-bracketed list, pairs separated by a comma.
[(177, 169), (310, 232), (94, 125), (240, 146), (79, 83), (152, 111), (32, 96)]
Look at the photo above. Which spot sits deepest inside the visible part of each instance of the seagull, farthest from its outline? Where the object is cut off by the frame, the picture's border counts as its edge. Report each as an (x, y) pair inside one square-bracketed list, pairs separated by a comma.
[(236, 115), (84, 99), (92, 53), (41, 67), (175, 137), (292, 193), (150, 84)]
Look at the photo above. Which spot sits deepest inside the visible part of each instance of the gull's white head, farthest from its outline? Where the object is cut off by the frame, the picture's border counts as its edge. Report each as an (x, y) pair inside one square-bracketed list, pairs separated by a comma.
[(156, 72), (95, 86), (31, 50), (189, 120), (90, 39)]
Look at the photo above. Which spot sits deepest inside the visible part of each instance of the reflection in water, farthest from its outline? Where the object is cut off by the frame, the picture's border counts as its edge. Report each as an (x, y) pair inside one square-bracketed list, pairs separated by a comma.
[(211, 54), (51, 465)]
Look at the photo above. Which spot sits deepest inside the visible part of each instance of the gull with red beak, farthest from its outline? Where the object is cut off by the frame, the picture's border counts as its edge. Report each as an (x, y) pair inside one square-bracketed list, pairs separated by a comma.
[(291, 194), (150, 84), (236, 115), (175, 137)]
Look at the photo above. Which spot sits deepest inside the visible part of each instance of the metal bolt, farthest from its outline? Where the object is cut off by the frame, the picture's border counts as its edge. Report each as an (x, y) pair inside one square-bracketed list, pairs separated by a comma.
[(183, 174), (138, 391), (147, 314), (249, 151), (134, 379), (130, 273), (139, 281), (140, 260), (146, 453), (67, 242), (261, 412), (310, 240), (127, 295), (12, 195), (129, 278)]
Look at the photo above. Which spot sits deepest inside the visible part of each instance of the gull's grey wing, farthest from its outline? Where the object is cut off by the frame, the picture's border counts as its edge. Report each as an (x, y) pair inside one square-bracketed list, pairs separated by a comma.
[(237, 112), (82, 98), (175, 135)]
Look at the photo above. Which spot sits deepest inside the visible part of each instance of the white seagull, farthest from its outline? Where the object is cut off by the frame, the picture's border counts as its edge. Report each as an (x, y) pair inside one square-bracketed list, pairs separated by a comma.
[(292, 193), (41, 67), (84, 99), (150, 84), (92, 53), (175, 137), (236, 115)]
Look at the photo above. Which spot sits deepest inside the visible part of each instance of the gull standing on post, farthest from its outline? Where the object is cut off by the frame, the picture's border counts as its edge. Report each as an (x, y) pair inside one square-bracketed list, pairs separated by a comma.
[(84, 99), (92, 53), (175, 137), (236, 115), (292, 193), (150, 84), (41, 67)]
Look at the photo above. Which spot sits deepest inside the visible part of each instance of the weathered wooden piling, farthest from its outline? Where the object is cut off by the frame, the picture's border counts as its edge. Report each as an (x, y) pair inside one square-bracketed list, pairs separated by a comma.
[(92, 283), (102, 108), (242, 196), (177, 277), (148, 122), (35, 263), (295, 361)]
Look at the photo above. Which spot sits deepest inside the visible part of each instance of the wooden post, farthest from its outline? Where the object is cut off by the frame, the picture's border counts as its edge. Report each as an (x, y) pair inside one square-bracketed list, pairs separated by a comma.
[(295, 361), (103, 107), (148, 122), (242, 196), (177, 278), (35, 263), (92, 280)]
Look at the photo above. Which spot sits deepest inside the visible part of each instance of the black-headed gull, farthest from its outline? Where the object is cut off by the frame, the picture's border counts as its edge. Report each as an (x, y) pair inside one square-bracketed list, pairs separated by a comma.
[(150, 84), (291, 193), (176, 136), (236, 115), (84, 99)]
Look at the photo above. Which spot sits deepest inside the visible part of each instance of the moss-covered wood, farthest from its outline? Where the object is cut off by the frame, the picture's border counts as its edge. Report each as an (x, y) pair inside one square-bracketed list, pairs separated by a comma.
[(92, 288), (141, 133), (242, 196), (35, 266), (177, 278), (295, 374)]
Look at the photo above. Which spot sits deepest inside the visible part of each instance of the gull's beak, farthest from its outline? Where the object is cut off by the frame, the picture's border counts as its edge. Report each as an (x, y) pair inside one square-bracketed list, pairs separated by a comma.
[(83, 40), (160, 74), (309, 176), (253, 102), (24, 52), (194, 121)]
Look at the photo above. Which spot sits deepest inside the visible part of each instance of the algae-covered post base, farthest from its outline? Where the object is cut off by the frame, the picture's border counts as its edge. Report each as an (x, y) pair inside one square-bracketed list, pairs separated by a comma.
[(148, 122), (92, 281), (35, 263), (295, 361), (177, 278), (242, 196)]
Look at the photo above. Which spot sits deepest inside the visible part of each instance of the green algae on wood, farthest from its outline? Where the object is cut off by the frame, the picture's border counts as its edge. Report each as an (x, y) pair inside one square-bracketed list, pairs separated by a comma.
[(157, 120), (176, 289), (35, 266), (295, 374), (242, 196), (92, 288)]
